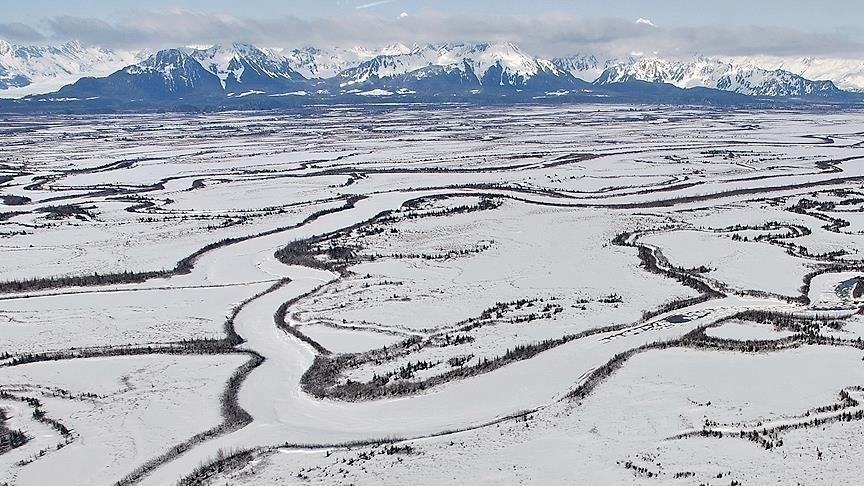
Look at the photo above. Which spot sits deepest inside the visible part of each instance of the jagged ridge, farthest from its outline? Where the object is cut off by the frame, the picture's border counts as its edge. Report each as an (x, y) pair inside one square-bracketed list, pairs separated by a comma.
[(431, 71)]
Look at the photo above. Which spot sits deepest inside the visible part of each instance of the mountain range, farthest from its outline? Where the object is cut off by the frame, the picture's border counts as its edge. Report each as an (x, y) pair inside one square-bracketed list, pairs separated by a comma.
[(242, 74)]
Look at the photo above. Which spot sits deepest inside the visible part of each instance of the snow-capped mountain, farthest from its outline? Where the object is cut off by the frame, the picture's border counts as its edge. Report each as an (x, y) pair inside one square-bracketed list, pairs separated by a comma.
[(715, 74), (582, 66), (38, 69), (318, 63), (244, 67), (847, 74), (488, 65), (267, 77), (167, 74)]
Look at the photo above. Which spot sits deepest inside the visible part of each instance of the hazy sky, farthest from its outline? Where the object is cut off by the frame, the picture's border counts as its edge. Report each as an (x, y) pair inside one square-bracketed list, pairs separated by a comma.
[(786, 27)]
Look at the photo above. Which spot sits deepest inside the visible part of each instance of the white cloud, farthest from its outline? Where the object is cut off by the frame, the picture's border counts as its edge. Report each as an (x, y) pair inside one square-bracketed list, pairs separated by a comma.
[(546, 35), (18, 32), (641, 21)]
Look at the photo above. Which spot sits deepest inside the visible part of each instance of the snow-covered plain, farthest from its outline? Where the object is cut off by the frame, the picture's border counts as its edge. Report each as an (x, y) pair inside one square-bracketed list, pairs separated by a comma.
[(139, 407), (630, 419), (513, 295)]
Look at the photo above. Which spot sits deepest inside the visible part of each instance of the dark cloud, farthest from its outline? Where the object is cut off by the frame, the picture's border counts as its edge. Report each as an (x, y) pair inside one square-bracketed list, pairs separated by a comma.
[(546, 35), (18, 32)]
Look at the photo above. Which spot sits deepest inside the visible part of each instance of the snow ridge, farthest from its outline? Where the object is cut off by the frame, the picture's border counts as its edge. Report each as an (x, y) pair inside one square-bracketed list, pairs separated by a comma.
[(426, 68), (32, 69)]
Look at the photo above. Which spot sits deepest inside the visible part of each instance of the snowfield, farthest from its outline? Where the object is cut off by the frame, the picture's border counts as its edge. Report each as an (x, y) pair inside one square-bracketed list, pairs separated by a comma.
[(133, 411), (630, 420), (588, 294)]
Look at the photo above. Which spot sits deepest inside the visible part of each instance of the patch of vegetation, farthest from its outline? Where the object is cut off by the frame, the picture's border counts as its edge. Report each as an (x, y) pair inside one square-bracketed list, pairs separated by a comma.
[(67, 211), (12, 200), (10, 438)]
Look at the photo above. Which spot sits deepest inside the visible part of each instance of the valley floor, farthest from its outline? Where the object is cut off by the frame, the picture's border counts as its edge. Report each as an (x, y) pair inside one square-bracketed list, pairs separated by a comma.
[(532, 295)]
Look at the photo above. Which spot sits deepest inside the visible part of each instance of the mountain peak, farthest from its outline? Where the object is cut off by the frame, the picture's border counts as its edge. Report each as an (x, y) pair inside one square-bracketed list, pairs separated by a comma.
[(5, 47), (452, 69), (165, 60), (396, 49), (246, 67)]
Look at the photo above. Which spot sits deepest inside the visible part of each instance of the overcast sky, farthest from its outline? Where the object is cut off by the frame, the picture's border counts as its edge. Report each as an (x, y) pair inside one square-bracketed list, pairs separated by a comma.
[(545, 27)]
